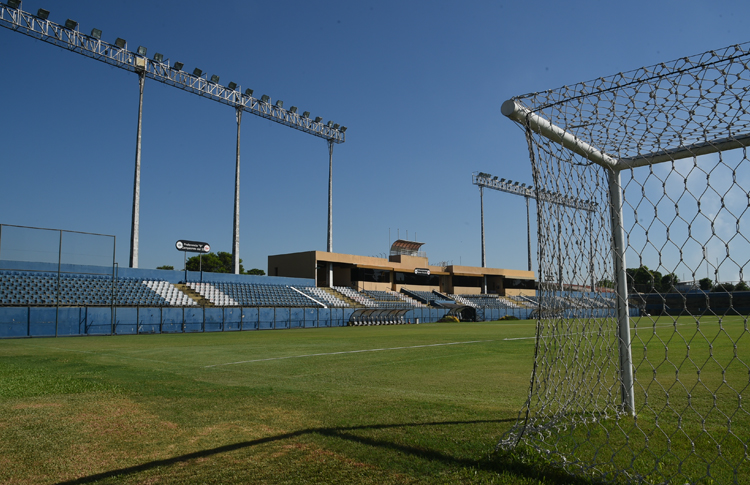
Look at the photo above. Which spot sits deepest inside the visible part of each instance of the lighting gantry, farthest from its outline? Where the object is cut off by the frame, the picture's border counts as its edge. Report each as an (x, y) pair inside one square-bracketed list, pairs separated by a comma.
[(159, 69)]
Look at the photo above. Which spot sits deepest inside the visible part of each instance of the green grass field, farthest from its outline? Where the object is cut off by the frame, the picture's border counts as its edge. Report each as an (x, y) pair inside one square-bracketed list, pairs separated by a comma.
[(397, 404), (394, 404)]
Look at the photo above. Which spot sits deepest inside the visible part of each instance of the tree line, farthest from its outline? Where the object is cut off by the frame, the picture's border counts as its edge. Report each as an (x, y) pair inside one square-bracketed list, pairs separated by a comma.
[(220, 262), (645, 280)]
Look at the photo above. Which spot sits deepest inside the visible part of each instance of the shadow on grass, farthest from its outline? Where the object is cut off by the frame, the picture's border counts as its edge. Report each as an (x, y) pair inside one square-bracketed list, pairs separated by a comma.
[(498, 462)]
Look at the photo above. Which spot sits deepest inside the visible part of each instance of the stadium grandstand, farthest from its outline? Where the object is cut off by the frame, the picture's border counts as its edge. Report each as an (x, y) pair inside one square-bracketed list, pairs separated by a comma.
[(45, 299)]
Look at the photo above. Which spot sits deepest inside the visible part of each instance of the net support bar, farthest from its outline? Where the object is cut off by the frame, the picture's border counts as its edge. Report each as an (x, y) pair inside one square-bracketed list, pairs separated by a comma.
[(513, 110), (690, 151)]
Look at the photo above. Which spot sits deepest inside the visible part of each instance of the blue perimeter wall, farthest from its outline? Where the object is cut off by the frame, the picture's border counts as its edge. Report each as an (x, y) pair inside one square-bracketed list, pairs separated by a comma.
[(32, 321)]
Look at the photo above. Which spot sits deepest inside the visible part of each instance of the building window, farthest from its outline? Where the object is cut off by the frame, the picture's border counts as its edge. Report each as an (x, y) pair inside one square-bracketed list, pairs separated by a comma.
[(371, 275), (519, 284), (417, 279), (467, 281)]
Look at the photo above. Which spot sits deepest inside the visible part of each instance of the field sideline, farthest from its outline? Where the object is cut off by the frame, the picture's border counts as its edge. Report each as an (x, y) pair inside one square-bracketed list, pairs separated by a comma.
[(393, 404)]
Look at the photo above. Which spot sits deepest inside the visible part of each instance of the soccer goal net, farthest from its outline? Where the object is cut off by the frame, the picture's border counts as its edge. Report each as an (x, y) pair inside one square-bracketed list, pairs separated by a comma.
[(642, 346)]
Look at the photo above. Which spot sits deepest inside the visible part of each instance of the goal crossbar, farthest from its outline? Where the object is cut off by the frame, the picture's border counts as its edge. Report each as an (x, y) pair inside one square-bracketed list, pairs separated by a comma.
[(515, 111)]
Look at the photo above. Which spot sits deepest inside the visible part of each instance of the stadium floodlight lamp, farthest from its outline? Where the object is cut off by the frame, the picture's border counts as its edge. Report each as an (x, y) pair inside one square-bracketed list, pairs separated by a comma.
[(121, 43), (141, 51), (96, 34), (43, 14), (265, 98), (214, 79), (318, 119), (71, 24), (159, 57), (279, 103), (343, 129), (232, 86), (248, 92), (293, 109), (329, 124), (197, 72), (306, 114), (14, 3), (336, 126), (178, 66)]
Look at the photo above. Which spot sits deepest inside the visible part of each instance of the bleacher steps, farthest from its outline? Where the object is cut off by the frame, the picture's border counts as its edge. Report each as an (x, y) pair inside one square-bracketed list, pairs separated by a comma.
[(343, 297), (194, 295)]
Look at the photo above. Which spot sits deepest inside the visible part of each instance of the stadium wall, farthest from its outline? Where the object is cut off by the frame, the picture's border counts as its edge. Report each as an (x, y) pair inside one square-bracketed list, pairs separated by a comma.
[(21, 322)]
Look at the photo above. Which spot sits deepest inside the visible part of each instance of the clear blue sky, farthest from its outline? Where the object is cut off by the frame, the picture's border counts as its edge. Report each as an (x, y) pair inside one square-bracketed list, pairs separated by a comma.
[(418, 84)]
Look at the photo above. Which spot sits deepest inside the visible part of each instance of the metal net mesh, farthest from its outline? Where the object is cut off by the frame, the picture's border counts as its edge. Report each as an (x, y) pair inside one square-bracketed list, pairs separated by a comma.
[(657, 154)]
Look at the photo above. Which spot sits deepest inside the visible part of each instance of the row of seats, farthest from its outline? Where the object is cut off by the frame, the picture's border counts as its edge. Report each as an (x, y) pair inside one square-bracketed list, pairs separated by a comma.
[(30, 288), (490, 301), (387, 299), (249, 294), (356, 296), (321, 295), (428, 296)]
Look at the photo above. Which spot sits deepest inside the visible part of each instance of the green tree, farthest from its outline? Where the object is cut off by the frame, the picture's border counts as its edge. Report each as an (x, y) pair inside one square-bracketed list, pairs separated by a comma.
[(724, 287), (669, 282), (605, 283), (220, 262), (166, 266), (741, 286), (642, 279), (706, 284), (645, 280), (213, 263)]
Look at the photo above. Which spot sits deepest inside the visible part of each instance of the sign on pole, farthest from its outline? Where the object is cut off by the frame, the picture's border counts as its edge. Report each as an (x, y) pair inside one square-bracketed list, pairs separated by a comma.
[(192, 246)]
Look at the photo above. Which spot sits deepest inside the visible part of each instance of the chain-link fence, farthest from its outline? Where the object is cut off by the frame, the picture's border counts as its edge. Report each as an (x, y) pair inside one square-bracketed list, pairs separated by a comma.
[(661, 151)]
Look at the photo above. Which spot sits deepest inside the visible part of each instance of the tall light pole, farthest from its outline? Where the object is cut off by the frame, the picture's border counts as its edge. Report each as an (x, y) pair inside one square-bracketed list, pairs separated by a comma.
[(134, 227), (329, 242), (236, 226), (484, 261)]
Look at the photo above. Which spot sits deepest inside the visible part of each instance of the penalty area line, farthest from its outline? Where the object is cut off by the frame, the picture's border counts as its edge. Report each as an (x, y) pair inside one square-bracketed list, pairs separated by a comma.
[(347, 352)]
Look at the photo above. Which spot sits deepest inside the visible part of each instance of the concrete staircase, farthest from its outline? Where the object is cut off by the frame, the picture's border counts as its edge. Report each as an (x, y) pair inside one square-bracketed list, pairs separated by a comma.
[(343, 297), (194, 295)]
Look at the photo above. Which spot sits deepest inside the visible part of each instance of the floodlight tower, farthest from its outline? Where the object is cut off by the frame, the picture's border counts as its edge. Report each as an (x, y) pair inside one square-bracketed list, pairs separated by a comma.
[(135, 224), (91, 45), (482, 179)]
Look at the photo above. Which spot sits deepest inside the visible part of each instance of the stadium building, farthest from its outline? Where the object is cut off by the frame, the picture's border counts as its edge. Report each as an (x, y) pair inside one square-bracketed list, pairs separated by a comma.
[(407, 268)]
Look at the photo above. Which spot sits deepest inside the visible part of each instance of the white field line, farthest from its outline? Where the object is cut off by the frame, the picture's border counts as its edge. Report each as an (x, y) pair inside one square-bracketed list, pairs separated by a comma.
[(589, 333), (347, 352)]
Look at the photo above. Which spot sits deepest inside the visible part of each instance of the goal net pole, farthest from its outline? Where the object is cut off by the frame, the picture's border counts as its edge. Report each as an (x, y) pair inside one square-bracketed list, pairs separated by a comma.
[(621, 288)]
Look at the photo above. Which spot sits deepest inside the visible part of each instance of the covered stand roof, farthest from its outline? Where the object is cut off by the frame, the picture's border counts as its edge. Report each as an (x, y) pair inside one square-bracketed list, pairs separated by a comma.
[(401, 246)]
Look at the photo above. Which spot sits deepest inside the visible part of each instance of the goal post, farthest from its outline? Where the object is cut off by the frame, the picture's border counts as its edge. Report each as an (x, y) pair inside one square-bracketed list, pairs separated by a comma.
[(641, 363)]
